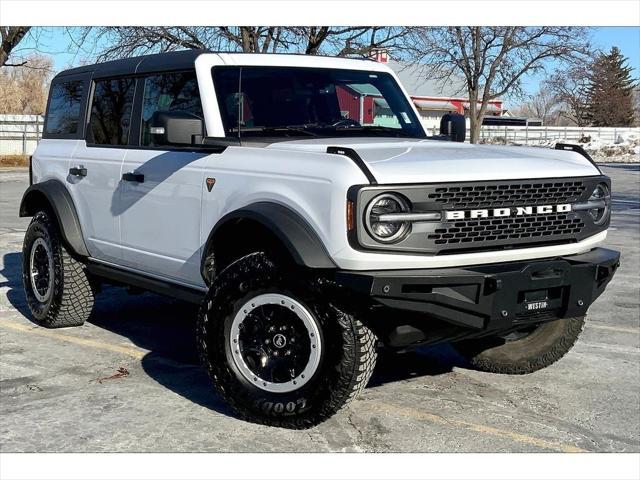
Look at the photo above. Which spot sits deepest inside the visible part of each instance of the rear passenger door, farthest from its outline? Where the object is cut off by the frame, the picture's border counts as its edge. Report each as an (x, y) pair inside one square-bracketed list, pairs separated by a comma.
[(97, 193), (63, 129), (160, 214)]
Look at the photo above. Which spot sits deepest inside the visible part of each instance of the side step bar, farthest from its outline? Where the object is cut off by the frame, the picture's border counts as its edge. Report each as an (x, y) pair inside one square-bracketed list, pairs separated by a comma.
[(162, 287)]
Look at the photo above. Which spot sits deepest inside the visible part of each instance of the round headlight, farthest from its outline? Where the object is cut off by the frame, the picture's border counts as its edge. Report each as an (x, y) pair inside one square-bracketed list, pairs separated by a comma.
[(385, 230), (600, 196)]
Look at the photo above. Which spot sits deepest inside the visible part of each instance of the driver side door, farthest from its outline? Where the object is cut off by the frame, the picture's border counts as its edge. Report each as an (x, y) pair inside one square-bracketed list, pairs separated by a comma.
[(160, 203)]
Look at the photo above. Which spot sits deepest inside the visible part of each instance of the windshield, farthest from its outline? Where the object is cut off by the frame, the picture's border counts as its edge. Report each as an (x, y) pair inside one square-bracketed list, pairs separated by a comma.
[(286, 101)]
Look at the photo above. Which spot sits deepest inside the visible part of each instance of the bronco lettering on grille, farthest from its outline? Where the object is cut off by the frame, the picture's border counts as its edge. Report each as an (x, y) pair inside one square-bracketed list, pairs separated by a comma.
[(506, 212)]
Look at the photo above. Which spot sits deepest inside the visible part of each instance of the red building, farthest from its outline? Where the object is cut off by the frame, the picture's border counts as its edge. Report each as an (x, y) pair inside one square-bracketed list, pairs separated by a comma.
[(355, 104), (433, 98)]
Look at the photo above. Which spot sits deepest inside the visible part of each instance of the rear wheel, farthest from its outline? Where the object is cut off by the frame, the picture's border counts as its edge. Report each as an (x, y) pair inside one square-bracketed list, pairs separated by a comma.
[(523, 351), (276, 347), (56, 285)]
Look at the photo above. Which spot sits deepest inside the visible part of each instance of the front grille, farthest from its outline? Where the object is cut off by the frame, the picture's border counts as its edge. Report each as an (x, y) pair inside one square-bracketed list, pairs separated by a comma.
[(507, 194), (533, 227), (451, 236)]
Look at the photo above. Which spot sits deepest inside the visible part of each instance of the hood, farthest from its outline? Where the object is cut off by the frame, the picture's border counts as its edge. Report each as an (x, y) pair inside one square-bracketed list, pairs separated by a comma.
[(430, 161)]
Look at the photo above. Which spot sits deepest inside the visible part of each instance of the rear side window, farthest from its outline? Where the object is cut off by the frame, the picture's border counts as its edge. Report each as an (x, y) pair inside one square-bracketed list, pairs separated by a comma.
[(111, 111), (172, 92), (64, 108)]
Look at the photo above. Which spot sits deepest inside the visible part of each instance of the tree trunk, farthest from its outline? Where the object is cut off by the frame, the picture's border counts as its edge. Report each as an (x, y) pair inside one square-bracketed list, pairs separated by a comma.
[(245, 35), (474, 129), (474, 124), (11, 37)]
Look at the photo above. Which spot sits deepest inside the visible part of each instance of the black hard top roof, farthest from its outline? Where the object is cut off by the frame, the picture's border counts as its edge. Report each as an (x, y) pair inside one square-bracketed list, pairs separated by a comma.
[(159, 62)]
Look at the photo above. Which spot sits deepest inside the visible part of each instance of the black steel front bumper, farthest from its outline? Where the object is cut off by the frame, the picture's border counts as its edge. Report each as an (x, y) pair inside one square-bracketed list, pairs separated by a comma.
[(495, 296)]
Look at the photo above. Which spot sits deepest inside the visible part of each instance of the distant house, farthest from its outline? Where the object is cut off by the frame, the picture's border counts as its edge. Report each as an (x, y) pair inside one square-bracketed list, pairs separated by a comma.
[(434, 98)]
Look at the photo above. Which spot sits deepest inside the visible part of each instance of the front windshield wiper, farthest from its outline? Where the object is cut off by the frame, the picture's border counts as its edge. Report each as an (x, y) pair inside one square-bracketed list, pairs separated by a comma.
[(283, 128), (375, 128)]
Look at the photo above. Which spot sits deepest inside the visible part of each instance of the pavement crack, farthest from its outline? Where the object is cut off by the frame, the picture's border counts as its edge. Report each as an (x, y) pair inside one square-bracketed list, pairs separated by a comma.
[(360, 434)]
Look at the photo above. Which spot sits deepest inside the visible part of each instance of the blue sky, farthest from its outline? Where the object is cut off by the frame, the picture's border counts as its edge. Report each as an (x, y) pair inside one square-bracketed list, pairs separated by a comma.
[(56, 42), (627, 39)]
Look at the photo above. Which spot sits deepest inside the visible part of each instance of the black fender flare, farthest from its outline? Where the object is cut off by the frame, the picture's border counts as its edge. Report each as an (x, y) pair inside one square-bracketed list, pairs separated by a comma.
[(56, 195), (289, 227)]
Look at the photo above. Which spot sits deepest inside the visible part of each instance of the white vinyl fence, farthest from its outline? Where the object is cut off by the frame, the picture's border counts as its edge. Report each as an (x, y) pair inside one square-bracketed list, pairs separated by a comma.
[(529, 135), (20, 134), (542, 135)]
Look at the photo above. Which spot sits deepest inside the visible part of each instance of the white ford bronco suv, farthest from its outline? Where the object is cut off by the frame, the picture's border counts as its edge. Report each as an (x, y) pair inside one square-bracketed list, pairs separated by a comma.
[(299, 201)]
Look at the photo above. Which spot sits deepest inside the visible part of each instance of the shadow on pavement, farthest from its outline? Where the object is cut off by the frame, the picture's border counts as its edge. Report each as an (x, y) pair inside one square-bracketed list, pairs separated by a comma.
[(12, 273)]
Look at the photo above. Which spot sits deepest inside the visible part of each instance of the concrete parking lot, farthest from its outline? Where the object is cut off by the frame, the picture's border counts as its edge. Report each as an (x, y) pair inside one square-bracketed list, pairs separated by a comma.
[(56, 394)]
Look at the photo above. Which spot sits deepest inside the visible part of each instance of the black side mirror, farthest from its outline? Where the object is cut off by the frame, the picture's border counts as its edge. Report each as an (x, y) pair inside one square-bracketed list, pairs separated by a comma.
[(176, 128), (454, 126)]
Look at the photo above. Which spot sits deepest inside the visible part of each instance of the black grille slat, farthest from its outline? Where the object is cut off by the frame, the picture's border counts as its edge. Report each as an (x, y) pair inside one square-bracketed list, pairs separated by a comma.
[(507, 195), (475, 231)]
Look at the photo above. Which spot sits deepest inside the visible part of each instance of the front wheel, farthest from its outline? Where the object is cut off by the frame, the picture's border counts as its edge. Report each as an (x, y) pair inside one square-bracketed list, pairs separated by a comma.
[(276, 347), (523, 351)]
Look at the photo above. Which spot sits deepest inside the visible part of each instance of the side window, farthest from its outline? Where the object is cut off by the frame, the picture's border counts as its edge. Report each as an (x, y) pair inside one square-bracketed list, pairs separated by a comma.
[(111, 111), (171, 92), (64, 108)]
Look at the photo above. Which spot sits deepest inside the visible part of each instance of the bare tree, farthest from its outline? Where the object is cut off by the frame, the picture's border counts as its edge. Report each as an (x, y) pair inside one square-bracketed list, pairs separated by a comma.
[(130, 41), (341, 41), (492, 60), (11, 37), (24, 90), (571, 87), (543, 105), (350, 41)]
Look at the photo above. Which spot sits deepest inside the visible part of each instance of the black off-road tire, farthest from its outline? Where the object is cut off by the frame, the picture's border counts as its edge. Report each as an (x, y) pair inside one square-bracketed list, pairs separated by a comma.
[(347, 361), (71, 299), (544, 346)]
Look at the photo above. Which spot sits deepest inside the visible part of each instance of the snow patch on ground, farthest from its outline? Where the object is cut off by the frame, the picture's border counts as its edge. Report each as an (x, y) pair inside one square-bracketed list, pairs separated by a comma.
[(624, 149)]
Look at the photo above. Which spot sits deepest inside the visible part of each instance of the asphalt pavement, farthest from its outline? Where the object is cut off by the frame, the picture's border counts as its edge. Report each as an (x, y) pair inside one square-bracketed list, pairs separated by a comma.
[(129, 380)]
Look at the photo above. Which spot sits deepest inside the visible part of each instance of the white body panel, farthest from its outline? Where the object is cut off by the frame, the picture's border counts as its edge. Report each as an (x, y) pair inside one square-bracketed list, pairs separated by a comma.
[(52, 159), (159, 227), (160, 217), (97, 198), (398, 161)]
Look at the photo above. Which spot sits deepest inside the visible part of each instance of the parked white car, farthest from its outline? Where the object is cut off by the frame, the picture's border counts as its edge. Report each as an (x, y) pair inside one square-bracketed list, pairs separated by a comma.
[(299, 201)]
